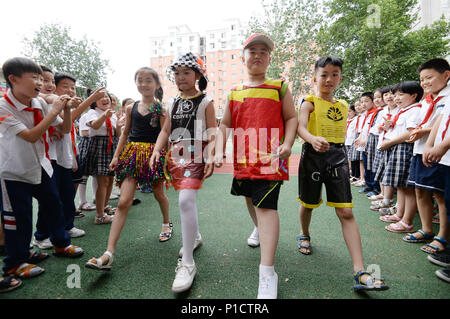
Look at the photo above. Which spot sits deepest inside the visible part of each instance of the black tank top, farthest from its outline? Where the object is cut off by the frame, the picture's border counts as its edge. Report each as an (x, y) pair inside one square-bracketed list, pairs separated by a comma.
[(145, 128)]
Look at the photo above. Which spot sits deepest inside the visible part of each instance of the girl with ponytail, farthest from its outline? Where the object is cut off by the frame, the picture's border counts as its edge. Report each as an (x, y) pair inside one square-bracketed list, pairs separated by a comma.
[(131, 161)]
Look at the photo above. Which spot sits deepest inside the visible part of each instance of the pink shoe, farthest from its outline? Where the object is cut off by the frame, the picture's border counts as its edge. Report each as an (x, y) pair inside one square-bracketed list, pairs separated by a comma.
[(400, 227)]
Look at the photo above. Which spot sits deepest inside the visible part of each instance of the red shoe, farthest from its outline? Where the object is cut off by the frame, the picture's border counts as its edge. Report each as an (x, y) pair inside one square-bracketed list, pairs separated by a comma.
[(70, 251)]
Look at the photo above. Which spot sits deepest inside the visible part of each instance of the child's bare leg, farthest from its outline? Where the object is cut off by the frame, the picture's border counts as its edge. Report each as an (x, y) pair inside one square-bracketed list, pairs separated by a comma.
[(100, 194), (425, 206), (351, 236), (109, 187), (163, 201), (401, 202), (251, 210), (410, 204), (361, 169), (443, 225), (388, 192), (305, 221), (126, 200), (269, 230)]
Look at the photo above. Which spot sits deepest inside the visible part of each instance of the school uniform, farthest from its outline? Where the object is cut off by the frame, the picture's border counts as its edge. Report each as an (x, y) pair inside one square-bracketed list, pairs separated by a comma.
[(399, 160), (443, 133), (350, 137), (383, 155), (61, 155), (101, 147), (26, 172), (427, 178)]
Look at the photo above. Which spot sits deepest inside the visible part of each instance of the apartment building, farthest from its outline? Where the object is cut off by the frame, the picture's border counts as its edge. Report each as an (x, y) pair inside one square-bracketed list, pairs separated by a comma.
[(220, 48)]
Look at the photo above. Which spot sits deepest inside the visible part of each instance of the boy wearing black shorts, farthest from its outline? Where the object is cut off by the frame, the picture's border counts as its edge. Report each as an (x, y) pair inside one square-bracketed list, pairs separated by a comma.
[(262, 115), (322, 125)]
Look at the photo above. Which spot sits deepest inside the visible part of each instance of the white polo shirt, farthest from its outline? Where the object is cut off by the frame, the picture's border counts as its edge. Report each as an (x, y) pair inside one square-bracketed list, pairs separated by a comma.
[(350, 135), (444, 130), (404, 122), (378, 121), (384, 114), (419, 145), (94, 114), (21, 160)]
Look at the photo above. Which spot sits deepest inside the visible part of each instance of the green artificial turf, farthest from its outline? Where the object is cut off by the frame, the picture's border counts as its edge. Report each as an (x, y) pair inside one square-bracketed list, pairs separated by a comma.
[(227, 267)]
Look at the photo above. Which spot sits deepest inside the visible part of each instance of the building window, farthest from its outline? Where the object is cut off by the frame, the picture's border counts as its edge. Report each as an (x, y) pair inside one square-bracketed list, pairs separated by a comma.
[(233, 66), (233, 56), (211, 36), (211, 45)]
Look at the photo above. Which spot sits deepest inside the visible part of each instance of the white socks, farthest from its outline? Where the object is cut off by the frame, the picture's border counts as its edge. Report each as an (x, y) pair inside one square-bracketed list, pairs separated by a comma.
[(266, 271), (189, 223)]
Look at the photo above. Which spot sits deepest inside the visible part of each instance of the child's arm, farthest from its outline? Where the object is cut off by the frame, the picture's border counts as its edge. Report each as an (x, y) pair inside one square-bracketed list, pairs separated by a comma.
[(66, 126), (397, 140), (211, 131), (99, 122), (122, 140), (222, 136), (162, 120), (434, 153), (290, 125), (417, 134), (33, 135), (161, 142), (84, 105), (319, 143)]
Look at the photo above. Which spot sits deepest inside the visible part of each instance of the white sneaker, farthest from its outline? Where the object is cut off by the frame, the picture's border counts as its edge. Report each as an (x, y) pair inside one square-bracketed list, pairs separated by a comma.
[(253, 240), (184, 277), (75, 232), (198, 242), (42, 244), (268, 287)]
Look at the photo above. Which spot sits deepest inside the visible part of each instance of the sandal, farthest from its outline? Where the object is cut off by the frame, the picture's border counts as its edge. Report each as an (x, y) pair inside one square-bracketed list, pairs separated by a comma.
[(166, 235), (26, 270), (300, 245), (37, 257), (413, 239), (79, 214), (86, 206), (105, 219), (98, 265), (136, 201), (435, 219), (70, 251), (390, 218), (388, 211), (7, 285), (436, 249), (400, 227), (370, 283), (110, 210)]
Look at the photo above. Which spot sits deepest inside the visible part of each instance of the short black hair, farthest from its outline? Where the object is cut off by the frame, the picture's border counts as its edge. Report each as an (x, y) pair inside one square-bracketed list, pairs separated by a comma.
[(18, 66), (352, 107), (368, 94), (46, 69), (410, 87), (94, 104), (63, 75), (440, 65), (124, 101), (324, 61), (387, 88)]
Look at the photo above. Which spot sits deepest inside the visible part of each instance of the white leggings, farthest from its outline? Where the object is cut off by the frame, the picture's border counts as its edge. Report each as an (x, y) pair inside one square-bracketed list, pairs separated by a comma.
[(187, 202)]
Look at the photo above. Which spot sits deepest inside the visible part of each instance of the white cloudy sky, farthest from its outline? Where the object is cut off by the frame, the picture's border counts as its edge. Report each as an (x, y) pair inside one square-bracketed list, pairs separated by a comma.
[(122, 28)]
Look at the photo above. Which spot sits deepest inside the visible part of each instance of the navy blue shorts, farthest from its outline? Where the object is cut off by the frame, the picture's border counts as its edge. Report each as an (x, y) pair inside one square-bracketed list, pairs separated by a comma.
[(428, 178)]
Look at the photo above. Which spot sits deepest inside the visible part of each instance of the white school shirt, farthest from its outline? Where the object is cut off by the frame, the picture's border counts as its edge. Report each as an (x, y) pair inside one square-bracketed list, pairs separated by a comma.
[(361, 132), (419, 145), (384, 114), (351, 132), (444, 127), (21, 160), (405, 121), (378, 121), (93, 115)]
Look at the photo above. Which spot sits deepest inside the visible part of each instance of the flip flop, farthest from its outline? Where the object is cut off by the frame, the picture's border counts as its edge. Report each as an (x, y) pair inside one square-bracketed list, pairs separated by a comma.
[(399, 227), (6, 283)]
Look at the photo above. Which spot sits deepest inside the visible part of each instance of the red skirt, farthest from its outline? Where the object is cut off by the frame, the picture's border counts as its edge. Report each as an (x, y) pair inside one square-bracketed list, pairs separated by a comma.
[(186, 164)]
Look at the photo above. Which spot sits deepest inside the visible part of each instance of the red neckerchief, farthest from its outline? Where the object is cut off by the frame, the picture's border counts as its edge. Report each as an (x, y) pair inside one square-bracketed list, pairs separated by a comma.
[(348, 124), (446, 127), (394, 121), (72, 137), (357, 123), (373, 110), (109, 130), (4, 117), (432, 103), (37, 119), (376, 111)]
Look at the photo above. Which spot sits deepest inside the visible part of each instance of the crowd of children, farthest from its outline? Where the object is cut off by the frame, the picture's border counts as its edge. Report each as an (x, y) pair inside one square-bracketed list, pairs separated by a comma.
[(392, 141)]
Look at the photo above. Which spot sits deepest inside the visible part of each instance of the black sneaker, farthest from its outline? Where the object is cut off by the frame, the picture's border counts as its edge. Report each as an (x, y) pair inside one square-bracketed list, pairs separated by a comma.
[(444, 274), (441, 259)]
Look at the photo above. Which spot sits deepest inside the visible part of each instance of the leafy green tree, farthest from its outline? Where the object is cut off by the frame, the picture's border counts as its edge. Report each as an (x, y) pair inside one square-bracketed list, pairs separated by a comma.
[(53, 46), (292, 25), (377, 40)]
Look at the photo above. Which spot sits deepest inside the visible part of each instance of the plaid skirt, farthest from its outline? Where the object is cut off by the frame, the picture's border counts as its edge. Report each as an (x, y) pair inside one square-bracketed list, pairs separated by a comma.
[(97, 159), (83, 143), (381, 161), (397, 165), (352, 154), (377, 159), (134, 162), (371, 148)]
